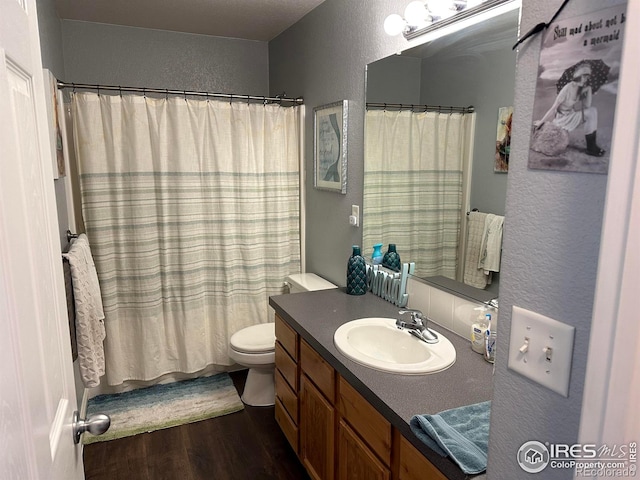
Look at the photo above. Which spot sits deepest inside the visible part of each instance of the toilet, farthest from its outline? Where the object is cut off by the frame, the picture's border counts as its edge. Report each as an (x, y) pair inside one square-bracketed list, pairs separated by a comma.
[(254, 347)]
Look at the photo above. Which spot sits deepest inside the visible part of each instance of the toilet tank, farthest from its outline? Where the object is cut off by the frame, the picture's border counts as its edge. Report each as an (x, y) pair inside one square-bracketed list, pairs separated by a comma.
[(307, 282)]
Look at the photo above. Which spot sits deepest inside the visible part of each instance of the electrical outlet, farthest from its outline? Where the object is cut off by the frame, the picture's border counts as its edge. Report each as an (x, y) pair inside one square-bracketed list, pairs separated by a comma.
[(541, 348), (354, 218)]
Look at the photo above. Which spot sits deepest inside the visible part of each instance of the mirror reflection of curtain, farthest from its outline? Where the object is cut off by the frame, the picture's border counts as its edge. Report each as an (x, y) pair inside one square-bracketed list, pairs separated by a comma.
[(192, 210), (413, 183)]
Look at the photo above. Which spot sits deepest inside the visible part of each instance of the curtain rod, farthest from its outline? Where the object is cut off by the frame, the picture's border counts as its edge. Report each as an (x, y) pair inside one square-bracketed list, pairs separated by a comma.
[(430, 108), (116, 88)]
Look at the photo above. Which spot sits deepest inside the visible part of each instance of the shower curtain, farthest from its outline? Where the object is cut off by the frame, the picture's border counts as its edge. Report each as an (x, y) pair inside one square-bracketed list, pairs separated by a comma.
[(413, 180), (192, 211)]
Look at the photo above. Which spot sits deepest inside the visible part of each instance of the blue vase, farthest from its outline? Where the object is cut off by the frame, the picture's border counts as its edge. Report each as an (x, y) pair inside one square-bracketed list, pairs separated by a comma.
[(391, 259), (356, 273), (376, 256)]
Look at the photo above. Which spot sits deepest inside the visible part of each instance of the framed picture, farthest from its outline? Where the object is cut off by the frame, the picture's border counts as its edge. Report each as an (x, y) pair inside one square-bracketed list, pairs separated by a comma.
[(576, 92), (57, 130), (330, 147), (503, 140)]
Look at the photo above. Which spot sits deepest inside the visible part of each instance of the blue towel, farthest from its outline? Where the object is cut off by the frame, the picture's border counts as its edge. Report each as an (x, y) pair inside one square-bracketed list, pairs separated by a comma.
[(461, 433)]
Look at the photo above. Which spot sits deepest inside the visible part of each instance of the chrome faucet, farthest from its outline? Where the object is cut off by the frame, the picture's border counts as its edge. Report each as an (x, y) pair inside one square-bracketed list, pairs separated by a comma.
[(418, 326)]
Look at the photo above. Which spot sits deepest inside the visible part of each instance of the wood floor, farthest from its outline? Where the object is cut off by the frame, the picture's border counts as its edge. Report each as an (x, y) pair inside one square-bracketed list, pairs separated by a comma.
[(244, 445)]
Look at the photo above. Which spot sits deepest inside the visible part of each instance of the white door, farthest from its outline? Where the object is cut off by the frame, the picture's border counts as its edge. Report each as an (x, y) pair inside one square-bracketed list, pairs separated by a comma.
[(37, 393)]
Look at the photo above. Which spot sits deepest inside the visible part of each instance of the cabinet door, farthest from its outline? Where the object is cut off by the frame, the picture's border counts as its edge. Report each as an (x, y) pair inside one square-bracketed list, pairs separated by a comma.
[(355, 459), (317, 418), (414, 466)]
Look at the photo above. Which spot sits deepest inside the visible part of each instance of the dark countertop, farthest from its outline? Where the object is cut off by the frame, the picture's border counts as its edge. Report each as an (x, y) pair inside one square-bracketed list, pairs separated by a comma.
[(317, 315)]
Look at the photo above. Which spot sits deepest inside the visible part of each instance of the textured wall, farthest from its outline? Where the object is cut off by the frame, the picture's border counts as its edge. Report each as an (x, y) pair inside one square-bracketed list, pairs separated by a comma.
[(117, 55), (50, 31), (551, 247), (323, 58), (395, 79)]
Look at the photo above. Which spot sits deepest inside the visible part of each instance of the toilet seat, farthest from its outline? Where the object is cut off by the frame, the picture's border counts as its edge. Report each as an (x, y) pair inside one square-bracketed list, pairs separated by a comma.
[(255, 339)]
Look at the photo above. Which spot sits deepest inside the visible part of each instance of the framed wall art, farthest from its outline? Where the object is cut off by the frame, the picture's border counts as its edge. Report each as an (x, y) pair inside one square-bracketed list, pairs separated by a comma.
[(330, 147)]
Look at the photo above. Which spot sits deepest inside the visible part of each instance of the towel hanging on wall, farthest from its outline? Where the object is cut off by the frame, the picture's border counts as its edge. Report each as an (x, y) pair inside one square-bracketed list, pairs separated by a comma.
[(90, 331)]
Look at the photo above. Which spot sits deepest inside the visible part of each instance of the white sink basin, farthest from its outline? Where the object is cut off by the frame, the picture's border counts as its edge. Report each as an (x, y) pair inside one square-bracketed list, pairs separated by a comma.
[(377, 343)]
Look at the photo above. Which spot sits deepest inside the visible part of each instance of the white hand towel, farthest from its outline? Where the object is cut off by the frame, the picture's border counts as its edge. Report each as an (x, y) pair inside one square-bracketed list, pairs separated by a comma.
[(90, 331), (491, 249), (473, 275)]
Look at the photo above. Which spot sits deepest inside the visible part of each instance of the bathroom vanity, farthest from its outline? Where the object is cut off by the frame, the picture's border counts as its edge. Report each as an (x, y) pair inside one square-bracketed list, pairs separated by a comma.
[(348, 421)]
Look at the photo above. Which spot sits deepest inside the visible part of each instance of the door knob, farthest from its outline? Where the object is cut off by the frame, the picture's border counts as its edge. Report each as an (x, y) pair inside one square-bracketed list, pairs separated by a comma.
[(95, 425)]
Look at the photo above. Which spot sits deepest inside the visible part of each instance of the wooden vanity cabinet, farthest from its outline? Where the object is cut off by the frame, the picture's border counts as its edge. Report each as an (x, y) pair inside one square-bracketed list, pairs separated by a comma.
[(287, 382), (317, 414), (336, 433), (413, 465)]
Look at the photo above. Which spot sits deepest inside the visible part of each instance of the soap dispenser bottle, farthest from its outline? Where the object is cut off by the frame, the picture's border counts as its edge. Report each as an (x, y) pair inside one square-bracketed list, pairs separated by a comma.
[(391, 258), (356, 273)]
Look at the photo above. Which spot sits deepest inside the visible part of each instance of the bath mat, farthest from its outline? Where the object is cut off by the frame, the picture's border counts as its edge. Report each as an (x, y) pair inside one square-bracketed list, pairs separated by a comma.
[(164, 406)]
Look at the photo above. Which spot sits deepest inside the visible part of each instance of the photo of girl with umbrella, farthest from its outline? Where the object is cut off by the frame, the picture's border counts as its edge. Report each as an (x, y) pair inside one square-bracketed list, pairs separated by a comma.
[(576, 92), (573, 107)]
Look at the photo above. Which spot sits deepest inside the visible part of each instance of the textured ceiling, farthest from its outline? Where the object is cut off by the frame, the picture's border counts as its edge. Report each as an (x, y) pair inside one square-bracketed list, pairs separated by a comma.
[(260, 20)]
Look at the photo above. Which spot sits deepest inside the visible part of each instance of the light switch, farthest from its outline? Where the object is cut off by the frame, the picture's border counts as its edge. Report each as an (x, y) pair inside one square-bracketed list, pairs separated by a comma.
[(541, 348)]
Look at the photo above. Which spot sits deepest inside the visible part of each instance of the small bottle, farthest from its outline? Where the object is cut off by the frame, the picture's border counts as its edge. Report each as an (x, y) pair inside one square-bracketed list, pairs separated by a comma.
[(391, 259), (376, 256), (356, 273), (490, 340), (478, 332)]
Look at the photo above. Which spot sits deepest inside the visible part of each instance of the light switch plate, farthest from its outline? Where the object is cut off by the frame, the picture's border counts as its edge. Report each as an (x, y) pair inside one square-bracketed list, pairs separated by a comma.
[(541, 348)]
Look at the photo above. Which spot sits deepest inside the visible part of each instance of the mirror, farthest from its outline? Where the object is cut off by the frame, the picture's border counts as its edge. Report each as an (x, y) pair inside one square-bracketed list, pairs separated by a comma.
[(475, 66)]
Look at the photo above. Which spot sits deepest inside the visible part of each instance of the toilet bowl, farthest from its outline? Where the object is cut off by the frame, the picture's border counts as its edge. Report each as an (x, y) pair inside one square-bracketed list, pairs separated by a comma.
[(254, 347)]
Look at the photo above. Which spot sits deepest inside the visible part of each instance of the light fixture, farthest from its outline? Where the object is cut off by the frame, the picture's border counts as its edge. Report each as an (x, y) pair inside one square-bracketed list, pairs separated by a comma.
[(422, 16), (416, 15), (394, 24)]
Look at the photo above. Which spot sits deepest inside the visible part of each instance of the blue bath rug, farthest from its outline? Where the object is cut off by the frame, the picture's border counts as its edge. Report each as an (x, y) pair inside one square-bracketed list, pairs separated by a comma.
[(164, 406)]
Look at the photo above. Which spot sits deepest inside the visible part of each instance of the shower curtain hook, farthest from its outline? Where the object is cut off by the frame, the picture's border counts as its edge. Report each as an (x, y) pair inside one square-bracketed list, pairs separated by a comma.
[(230, 99), (98, 88), (185, 95), (120, 90), (144, 93), (74, 87)]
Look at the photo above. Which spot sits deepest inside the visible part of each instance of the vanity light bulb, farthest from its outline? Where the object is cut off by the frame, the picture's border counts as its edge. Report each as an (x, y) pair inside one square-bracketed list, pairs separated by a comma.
[(416, 13), (394, 24)]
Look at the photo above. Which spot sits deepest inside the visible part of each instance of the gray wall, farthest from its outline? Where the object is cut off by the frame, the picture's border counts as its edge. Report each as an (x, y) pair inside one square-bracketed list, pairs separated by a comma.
[(140, 57), (553, 220), (323, 58), (551, 248), (395, 79), (50, 30)]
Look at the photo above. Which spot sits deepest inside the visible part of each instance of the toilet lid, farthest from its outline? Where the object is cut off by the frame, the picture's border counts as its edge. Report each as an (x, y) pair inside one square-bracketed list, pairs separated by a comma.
[(256, 339)]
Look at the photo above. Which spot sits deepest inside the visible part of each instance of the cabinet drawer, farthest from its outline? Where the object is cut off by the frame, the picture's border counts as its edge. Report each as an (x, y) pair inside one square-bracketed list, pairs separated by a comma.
[(414, 465), (365, 420), (286, 424), (287, 366), (287, 396), (287, 337), (322, 374)]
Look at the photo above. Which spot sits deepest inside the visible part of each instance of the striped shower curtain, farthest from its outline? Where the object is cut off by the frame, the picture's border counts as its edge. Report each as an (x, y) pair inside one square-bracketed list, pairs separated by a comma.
[(413, 179), (192, 211)]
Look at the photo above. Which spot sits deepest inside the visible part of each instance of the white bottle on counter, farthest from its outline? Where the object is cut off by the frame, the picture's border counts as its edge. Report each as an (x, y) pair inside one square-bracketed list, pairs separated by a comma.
[(478, 332)]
